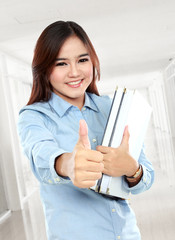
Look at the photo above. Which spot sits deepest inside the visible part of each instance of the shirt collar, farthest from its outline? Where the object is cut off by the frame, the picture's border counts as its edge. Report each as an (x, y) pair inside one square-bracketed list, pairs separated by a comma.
[(61, 106), (90, 103)]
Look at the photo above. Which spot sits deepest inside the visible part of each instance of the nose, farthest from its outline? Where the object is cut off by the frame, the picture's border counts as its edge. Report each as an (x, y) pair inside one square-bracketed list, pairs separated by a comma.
[(74, 70)]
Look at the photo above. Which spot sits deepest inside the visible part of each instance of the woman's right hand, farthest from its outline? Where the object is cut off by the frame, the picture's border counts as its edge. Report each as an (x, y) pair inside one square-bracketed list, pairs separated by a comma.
[(83, 166)]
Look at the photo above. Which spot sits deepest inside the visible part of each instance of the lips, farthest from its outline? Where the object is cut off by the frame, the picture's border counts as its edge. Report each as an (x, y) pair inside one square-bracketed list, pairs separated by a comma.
[(75, 84)]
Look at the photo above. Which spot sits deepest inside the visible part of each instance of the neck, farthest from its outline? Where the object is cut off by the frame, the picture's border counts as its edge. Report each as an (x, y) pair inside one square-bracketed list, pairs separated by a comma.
[(77, 102)]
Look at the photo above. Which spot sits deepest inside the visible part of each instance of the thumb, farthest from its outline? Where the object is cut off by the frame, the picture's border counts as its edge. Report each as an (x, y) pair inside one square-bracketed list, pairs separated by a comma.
[(125, 139), (83, 134)]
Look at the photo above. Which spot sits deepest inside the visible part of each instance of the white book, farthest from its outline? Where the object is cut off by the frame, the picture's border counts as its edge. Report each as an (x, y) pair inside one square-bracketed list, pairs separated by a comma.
[(128, 108)]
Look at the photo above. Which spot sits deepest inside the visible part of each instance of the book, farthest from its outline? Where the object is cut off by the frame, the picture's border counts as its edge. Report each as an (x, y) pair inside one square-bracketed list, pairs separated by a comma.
[(128, 108)]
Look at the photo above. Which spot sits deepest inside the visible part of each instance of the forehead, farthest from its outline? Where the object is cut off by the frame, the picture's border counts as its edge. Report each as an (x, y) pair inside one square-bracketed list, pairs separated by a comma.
[(73, 46)]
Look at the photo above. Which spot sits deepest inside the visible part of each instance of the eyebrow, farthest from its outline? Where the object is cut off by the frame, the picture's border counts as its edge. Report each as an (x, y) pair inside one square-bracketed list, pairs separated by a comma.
[(81, 55)]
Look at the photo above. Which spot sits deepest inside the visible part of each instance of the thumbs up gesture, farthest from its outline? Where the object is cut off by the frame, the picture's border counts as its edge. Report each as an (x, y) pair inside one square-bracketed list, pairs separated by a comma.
[(118, 161), (83, 135), (83, 166)]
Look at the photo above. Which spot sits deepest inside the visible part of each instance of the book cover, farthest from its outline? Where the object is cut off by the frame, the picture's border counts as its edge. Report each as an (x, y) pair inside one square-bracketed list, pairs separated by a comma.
[(128, 108)]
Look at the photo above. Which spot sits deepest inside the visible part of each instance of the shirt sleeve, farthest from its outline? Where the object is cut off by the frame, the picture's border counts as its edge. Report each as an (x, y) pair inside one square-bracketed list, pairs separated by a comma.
[(40, 147), (148, 176)]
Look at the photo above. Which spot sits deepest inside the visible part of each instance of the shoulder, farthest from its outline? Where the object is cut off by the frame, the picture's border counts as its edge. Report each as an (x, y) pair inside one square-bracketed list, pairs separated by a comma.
[(34, 113), (38, 106), (35, 109), (33, 118)]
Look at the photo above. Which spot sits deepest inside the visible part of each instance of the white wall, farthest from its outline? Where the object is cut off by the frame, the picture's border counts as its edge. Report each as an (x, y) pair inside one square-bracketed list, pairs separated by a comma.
[(15, 78)]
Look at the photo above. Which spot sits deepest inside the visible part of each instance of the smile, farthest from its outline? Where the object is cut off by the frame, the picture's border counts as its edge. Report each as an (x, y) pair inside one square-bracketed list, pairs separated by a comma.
[(75, 83)]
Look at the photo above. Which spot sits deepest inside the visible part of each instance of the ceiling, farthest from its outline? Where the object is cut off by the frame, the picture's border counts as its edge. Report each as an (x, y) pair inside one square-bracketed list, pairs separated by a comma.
[(131, 37)]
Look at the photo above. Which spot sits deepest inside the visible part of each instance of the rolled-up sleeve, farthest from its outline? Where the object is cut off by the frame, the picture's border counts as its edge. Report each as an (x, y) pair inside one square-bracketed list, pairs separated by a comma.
[(40, 147), (147, 177)]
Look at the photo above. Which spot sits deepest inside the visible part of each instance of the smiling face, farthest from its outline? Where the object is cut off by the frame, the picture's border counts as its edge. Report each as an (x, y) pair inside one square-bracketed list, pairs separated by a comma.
[(72, 72)]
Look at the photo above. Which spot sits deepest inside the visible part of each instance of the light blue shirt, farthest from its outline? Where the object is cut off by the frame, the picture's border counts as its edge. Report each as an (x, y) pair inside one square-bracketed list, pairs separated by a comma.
[(48, 129)]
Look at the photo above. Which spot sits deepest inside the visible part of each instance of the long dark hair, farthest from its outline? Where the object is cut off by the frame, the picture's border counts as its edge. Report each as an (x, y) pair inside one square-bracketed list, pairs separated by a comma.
[(46, 51)]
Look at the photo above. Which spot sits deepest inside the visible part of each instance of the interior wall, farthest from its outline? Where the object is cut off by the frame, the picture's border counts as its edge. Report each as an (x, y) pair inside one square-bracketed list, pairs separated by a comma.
[(169, 85), (162, 104), (15, 86), (3, 200)]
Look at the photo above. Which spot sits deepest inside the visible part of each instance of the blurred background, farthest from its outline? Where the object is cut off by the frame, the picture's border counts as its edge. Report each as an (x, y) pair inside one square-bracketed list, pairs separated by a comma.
[(135, 42)]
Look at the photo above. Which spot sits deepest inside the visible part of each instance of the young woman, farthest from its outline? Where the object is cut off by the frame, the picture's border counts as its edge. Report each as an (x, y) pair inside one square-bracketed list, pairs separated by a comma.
[(61, 130)]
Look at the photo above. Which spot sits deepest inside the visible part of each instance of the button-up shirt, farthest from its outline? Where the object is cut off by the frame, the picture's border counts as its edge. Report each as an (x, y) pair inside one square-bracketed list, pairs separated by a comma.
[(49, 129)]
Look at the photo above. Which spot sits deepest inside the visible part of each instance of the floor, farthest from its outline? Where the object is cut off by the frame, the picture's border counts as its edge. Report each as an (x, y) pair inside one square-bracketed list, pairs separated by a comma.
[(155, 209), (27, 224)]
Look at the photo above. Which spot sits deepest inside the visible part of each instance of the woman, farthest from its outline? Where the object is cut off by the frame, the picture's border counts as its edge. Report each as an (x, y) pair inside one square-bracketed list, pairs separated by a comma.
[(61, 129)]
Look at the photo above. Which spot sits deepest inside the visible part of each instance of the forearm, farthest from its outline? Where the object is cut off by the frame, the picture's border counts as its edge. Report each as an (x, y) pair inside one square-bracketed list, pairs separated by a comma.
[(146, 179)]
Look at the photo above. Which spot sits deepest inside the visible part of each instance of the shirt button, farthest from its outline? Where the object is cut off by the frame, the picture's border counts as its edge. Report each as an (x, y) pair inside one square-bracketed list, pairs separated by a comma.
[(144, 180), (118, 237), (94, 140), (113, 210), (84, 109), (49, 181), (57, 179)]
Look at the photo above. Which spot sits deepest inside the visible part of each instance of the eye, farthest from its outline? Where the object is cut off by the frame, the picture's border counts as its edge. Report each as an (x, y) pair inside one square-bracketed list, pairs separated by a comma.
[(61, 64), (84, 60)]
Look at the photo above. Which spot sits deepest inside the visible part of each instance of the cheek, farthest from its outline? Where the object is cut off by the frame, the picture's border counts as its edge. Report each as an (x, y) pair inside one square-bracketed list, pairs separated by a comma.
[(56, 77), (89, 72)]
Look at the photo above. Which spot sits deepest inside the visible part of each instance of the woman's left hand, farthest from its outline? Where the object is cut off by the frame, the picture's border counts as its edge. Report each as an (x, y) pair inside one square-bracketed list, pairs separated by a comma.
[(118, 161)]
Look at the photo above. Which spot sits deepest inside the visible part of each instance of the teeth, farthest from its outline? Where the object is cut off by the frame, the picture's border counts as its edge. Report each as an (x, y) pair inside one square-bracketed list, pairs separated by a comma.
[(74, 83)]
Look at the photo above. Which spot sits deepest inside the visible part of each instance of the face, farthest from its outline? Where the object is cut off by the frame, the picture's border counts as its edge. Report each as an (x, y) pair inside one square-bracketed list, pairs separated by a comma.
[(72, 72)]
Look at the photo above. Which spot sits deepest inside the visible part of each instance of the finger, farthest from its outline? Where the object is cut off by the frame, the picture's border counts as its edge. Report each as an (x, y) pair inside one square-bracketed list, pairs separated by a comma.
[(94, 156), (92, 176), (95, 167), (125, 139), (87, 179), (83, 134), (86, 184), (106, 171), (103, 149), (107, 158)]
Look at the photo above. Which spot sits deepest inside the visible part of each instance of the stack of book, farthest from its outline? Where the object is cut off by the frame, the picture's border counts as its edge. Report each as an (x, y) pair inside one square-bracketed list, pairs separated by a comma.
[(130, 109)]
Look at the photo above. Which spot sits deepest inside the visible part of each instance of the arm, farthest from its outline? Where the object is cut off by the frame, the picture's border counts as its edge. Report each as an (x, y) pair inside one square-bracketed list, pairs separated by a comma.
[(40, 147), (50, 163), (147, 178), (118, 162), (135, 179), (83, 166)]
